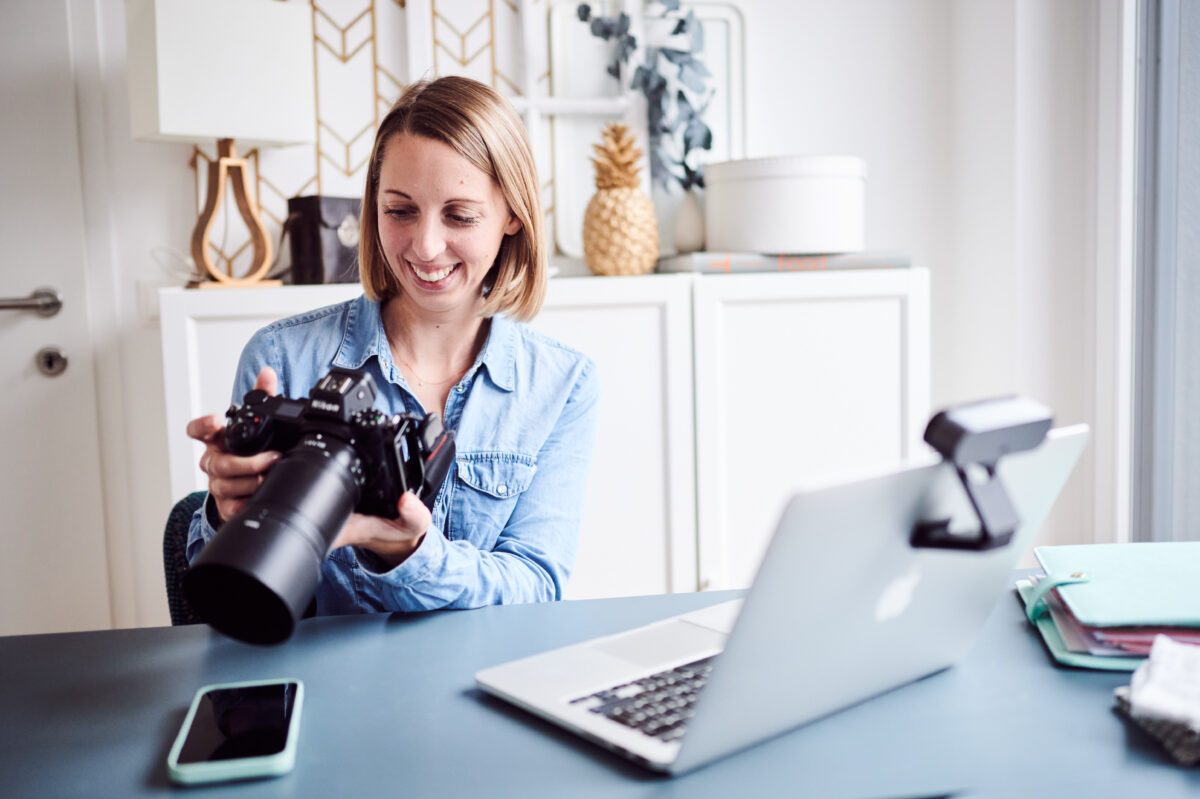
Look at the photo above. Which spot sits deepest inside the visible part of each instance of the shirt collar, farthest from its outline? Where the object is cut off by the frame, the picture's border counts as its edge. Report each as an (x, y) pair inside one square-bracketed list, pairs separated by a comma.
[(499, 352), (364, 337)]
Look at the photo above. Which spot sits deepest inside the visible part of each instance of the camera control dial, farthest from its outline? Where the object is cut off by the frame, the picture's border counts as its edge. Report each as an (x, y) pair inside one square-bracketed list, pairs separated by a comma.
[(249, 428)]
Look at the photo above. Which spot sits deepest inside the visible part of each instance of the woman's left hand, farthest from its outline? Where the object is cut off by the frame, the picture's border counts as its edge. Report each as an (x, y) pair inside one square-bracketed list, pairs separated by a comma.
[(393, 540)]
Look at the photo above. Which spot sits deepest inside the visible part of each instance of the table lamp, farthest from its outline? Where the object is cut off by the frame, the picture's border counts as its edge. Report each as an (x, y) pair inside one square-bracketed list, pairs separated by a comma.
[(227, 70)]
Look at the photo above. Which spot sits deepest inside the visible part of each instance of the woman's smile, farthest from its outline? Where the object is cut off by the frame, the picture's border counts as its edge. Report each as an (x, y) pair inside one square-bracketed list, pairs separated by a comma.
[(433, 274)]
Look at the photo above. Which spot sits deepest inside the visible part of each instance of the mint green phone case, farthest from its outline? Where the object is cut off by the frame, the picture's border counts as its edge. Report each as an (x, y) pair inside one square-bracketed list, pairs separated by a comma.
[(238, 768)]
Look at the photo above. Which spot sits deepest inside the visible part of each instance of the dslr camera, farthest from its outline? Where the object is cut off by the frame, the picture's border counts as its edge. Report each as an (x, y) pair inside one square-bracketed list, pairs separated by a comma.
[(340, 455)]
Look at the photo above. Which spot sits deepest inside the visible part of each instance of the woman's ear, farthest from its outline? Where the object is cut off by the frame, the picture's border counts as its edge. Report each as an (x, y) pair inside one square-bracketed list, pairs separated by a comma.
[(513, 225)]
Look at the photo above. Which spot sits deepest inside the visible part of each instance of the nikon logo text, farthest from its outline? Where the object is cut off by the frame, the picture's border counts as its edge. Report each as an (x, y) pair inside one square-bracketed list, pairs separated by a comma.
[(322, 405)]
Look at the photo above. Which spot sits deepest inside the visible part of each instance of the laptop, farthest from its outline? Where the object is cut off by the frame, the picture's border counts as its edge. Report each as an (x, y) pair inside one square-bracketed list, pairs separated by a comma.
[(842, 609)]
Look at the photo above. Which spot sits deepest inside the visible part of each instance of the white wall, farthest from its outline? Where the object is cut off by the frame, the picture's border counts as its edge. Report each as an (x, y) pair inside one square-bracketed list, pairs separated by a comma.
[(869, 78), (1013, 312), (975, 121), (977, 125)]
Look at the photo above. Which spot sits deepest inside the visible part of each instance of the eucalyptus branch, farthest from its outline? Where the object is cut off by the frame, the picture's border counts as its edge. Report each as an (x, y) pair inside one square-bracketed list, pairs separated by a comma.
[(675, 83)]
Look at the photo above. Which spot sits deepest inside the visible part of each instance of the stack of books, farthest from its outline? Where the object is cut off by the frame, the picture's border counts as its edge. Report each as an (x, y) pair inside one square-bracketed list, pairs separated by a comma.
[(734, 262), (1109, 601)]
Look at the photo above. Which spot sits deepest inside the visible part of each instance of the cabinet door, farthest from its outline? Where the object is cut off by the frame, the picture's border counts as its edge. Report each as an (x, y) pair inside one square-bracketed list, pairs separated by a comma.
[(799, 378), (203, 332), (638, 531)]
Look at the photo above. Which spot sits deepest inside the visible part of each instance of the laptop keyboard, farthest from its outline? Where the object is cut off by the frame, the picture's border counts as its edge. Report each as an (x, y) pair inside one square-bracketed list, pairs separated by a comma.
[(659, 705)]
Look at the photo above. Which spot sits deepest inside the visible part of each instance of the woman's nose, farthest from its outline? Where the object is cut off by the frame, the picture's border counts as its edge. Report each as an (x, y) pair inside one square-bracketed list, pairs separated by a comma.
[(428, 240)]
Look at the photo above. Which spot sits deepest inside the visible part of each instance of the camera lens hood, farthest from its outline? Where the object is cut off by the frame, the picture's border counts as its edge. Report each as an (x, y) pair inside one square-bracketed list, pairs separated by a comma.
[(254, 579), (251, 587)]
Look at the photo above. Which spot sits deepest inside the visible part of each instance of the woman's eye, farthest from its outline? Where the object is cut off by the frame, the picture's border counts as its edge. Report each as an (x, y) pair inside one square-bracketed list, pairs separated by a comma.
[(462, 219), (398, 213)]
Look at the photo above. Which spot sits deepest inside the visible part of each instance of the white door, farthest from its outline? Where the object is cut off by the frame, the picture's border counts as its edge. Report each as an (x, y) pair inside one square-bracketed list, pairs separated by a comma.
[(53, 563)]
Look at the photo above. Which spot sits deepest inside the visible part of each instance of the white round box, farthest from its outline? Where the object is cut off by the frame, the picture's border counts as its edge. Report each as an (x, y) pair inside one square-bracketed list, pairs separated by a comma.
[(789, 204)]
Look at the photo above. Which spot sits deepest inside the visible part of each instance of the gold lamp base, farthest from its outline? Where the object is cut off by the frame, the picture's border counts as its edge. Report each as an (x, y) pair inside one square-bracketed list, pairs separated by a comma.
[(229, 168)]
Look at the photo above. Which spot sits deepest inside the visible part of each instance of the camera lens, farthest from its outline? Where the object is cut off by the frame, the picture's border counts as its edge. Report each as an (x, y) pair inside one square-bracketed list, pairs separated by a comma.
[(254, 579)]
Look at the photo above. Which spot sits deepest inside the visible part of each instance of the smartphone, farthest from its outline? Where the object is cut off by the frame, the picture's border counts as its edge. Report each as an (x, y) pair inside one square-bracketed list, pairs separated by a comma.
[(238, 731)]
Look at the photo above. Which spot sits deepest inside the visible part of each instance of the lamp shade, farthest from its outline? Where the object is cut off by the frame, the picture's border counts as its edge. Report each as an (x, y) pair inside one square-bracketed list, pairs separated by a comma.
[(201, 70)]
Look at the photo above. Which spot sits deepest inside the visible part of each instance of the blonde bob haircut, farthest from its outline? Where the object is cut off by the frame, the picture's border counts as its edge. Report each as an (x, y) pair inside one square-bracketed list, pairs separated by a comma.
[(479, 124)]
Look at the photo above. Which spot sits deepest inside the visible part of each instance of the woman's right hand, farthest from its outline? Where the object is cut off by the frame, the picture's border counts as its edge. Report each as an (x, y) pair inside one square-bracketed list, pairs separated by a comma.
[(232, 479)]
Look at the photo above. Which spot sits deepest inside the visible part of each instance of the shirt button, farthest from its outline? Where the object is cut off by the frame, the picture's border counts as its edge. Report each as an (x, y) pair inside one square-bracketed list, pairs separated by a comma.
[(459, 388), (502, 489)]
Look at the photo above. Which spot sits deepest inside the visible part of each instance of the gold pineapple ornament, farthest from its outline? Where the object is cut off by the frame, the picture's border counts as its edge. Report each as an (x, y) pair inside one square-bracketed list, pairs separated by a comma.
[(620, 230)]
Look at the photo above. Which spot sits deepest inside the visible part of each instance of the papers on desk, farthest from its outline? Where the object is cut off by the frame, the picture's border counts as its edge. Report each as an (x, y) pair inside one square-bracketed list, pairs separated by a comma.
[(1107, 641), (1102, 606), (1164, 697)]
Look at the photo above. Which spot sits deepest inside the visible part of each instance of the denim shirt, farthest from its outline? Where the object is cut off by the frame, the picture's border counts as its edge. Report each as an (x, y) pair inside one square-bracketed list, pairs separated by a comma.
[(506, 520)]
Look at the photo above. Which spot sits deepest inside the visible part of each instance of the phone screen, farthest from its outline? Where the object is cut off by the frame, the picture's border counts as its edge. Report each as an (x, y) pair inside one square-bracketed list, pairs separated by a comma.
[(250, 721)]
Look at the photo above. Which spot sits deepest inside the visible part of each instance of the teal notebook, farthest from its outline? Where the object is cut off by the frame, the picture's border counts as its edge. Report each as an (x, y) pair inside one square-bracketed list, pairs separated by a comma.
[(1115, 585), (1150, 584)]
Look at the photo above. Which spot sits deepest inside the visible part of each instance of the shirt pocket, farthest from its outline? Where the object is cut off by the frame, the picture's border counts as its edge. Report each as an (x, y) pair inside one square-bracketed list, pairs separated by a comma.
[(488, 486)]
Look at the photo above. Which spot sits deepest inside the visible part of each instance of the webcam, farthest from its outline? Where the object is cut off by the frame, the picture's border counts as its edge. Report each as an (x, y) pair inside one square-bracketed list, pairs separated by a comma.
[(974, 437)]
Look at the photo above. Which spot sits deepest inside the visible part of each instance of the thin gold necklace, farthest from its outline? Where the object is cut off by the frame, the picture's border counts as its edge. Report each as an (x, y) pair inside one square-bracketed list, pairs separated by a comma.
[(423, 382)]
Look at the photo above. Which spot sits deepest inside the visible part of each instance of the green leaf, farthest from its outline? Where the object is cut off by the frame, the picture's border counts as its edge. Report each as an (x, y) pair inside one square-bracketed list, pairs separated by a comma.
[(696, 31), (675, 56), (691, 78)]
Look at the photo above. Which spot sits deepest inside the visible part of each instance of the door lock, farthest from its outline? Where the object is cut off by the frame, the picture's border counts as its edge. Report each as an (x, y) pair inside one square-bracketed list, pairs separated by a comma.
[(51, 361)]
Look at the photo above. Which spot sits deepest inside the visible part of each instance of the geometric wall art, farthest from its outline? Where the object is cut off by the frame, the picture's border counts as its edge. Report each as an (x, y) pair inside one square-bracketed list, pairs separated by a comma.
[(535, 52)]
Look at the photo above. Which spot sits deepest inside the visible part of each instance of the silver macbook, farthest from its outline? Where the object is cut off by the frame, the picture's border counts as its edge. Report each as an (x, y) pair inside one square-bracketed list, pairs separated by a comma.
[(842, 609)]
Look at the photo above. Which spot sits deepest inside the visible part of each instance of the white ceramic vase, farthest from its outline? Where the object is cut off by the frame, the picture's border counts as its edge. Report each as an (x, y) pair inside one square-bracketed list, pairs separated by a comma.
[(689, 224)]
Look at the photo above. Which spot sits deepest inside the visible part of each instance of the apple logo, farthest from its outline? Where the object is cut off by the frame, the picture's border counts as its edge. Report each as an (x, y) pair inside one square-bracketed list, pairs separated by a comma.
[(897, 596)]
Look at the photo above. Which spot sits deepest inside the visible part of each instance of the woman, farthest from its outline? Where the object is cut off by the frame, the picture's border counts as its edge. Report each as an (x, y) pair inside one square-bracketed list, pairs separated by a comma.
[(452, 258)]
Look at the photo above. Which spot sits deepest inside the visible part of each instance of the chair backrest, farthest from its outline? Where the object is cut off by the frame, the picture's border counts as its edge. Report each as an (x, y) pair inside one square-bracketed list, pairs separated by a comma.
[(175, 562)]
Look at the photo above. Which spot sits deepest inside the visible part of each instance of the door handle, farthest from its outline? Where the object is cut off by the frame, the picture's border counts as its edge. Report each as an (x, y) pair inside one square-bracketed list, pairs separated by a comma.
[(45, 301)]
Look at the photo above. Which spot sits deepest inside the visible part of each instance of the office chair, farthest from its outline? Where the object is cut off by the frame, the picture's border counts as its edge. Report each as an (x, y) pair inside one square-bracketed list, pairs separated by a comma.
[(175, 563)]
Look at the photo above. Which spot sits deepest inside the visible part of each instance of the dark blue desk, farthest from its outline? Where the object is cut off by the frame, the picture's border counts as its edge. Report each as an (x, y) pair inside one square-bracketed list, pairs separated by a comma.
[(391, 710)]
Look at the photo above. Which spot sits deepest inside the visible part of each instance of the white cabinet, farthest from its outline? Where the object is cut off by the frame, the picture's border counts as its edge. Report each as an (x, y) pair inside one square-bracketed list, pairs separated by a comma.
[(203, 332), (799, 378), (639, 518), (719, 394)]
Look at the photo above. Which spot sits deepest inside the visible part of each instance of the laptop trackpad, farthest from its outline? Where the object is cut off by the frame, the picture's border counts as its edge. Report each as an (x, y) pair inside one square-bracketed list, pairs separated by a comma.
[(661, 644)]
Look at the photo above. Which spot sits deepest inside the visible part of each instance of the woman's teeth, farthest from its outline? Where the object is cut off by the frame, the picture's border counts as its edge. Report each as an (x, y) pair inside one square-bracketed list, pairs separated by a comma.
[(434, 276)]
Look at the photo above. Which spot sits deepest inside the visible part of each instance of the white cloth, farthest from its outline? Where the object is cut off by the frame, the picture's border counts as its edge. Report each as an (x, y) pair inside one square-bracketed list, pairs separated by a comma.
[(1167, 685)]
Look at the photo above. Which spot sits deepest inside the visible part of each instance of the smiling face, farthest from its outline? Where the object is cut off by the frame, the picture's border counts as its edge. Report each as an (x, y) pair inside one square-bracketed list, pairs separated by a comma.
[(441, 221)]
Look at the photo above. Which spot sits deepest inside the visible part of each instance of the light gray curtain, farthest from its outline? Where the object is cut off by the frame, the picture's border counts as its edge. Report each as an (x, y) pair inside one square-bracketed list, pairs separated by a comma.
[(1166, 502)]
